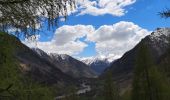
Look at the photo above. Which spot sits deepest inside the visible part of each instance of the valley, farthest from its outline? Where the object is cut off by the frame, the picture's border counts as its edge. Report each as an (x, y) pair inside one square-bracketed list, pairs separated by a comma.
[(87, 77), (84, 50)]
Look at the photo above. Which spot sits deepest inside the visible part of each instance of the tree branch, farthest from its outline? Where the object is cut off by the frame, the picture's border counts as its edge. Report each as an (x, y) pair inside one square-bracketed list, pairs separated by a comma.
[(2, 90), (12, 2), (165, 13)]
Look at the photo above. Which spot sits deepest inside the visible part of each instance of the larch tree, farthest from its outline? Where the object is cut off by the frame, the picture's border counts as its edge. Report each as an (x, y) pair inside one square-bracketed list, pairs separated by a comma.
[(165, 62), (148, 83), (110, 90), (26, 15), (71, 94)]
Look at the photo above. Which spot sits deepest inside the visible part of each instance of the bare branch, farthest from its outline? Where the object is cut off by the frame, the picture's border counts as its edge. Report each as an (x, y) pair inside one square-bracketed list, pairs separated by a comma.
[(165, 13), (25, 15), (12, 2)]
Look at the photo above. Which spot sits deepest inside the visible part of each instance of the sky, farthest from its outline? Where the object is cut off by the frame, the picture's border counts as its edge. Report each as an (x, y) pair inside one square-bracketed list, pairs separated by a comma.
[(103, 28)]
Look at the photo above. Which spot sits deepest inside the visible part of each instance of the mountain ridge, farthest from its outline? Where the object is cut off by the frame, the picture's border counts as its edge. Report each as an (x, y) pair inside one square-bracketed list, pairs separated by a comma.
[(122, 69), (68, 64), (31, 65), (97, 64)]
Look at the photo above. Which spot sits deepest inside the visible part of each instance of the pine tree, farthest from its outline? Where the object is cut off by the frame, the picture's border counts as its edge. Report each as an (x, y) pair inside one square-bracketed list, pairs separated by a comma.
[(110, 91), (165, 62), (71, 94), (148, 82)]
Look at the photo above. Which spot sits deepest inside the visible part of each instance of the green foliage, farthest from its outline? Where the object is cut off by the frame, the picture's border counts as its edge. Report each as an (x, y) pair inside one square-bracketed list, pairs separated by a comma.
[(26, 16), (148, 82), (164, 65), (110, 91), (71, 94), (13, 85), (126, 95)]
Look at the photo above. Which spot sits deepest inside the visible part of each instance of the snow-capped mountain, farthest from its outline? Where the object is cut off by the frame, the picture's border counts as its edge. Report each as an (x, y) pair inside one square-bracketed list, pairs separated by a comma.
[(98, 64), (158, 41), (67, 64), (41, 53), (72, 66), (59, 56), (159, 32)]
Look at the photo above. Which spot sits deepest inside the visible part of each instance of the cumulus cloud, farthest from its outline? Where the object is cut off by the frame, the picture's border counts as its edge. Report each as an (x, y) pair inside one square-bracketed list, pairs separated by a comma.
[(95, 8), (67, 33), (110, 40), (116, 39), (65, 40), (70, 48), (102, 7)]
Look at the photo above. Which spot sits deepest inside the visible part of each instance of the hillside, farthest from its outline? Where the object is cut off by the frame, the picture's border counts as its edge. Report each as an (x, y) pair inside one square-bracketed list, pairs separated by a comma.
[(14, 85), (33, 65), (122, 69), (67, 64)]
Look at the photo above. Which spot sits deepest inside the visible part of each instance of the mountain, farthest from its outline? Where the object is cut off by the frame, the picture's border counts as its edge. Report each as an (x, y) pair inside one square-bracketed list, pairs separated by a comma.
[(122, 69), (32, 65), (164, 62), (97, 64), (67, 64)]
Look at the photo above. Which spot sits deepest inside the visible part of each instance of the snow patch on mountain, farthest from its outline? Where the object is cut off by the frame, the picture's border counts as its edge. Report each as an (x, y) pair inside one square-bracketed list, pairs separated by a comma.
[(60, 56), (38, 51), (90, 60), (67, 64), (161, 34), (98, 64)]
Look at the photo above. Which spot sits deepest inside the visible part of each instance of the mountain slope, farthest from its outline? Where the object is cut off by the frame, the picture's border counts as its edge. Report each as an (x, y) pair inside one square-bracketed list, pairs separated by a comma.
[(67, 64), (164, 62), (122, 69), (33, 65), (97, 64), (72, 66), (15, 83)]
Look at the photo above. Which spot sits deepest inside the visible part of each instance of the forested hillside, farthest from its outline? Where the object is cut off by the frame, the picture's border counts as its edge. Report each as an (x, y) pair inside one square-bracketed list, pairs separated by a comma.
[(13, 85)]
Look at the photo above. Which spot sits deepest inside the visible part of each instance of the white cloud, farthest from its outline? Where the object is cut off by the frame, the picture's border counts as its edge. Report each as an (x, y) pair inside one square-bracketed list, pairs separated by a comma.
[(62, 19), (110, 40), (65, 41), (95, 8), (116, 39), (67, 33), (71, 48), (102, 7)]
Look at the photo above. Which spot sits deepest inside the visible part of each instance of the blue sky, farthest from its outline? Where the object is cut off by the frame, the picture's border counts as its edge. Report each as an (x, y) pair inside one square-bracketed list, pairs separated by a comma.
[(107, 29)]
